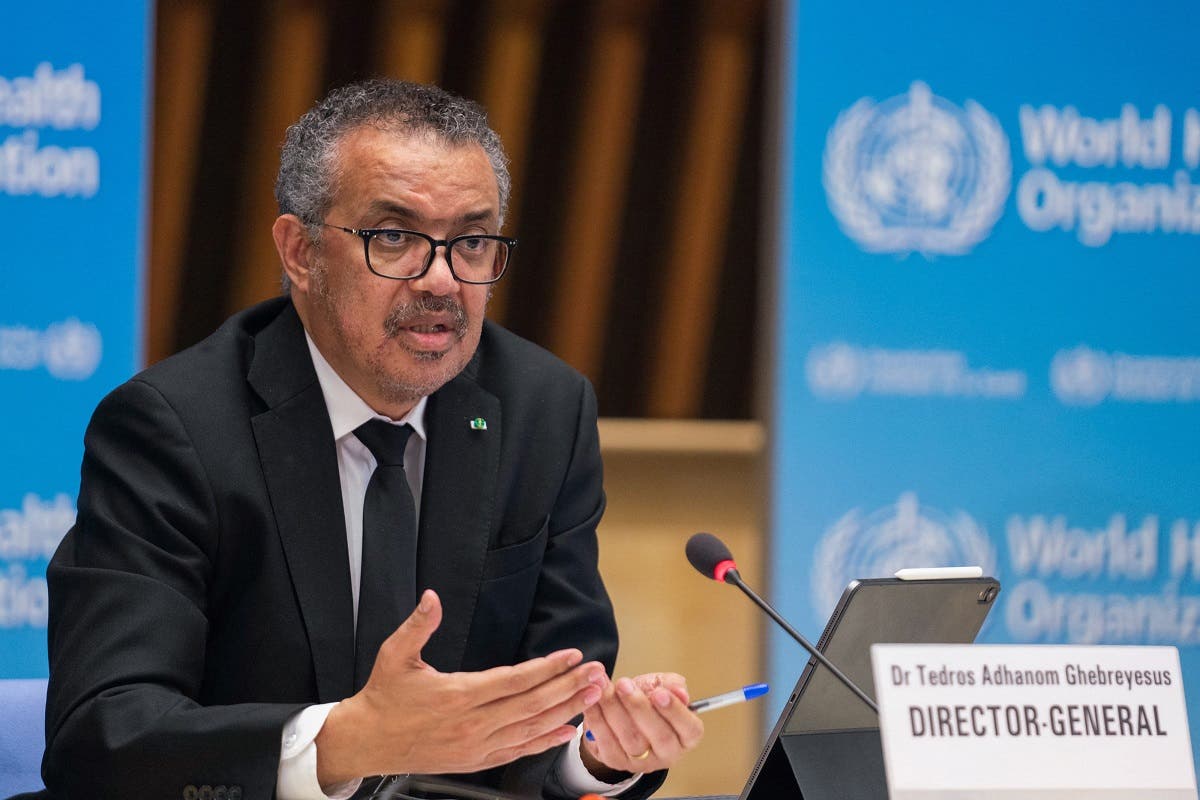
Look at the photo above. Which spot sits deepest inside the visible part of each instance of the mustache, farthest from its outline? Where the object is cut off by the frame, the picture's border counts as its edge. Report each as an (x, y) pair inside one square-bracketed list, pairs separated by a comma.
[(406, 314)]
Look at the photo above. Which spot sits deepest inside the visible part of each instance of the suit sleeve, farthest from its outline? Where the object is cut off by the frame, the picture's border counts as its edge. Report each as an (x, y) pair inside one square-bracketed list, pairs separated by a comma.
[(572, 608), (128, 625)]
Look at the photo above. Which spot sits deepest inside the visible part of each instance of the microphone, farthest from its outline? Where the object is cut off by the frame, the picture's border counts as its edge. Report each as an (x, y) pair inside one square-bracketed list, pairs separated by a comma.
[(712, 559)]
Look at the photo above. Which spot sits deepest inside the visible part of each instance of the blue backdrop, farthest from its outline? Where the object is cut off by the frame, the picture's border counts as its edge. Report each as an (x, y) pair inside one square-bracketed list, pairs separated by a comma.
[(73, 145), (988, 350)]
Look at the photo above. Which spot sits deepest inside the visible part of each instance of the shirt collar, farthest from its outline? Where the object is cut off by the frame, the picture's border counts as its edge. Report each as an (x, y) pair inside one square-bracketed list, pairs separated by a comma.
[(346, 409)]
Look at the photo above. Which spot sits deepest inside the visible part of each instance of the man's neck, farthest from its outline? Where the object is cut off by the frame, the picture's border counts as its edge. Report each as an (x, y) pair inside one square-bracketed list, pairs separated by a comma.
[(347, 408)]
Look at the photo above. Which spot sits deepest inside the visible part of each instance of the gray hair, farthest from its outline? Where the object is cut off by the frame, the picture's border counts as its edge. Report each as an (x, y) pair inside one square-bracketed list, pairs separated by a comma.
[(305, 185)]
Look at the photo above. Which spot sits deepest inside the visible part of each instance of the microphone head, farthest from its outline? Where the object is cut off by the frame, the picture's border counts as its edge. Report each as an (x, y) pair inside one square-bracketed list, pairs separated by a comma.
[(709, 556)]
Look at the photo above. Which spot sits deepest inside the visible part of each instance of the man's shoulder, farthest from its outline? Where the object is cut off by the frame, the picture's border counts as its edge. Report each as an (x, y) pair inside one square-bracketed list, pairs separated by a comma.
[(506, 359), (210, 377), (226, 352)]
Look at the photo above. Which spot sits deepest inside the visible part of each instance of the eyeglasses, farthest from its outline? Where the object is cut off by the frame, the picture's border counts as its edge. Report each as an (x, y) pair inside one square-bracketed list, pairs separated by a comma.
[(404, 255)]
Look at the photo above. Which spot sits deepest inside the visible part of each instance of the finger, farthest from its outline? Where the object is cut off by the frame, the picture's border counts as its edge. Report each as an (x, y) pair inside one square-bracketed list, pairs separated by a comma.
[(410, 638), (499, 683), (617, 714), (560, 735), (650, 724), (649, 681), (687, 725), (551, 693), (604, 744), (672, 681), (534, 727)]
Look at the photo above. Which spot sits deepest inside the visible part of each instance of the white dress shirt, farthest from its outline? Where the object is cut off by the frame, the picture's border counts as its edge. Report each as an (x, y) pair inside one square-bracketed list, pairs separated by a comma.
[(298, 756)]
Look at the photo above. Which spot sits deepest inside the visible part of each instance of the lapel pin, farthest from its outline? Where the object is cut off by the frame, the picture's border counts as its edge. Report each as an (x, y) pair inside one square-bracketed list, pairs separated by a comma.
[(479, 424)]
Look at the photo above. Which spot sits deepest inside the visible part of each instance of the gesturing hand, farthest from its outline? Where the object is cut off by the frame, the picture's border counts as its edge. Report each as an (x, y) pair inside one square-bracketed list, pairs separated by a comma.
[(410, 718), (641, 724)]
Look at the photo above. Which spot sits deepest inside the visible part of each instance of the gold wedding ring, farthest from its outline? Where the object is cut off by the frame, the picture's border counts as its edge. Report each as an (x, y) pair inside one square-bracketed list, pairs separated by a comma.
[(643, 756)]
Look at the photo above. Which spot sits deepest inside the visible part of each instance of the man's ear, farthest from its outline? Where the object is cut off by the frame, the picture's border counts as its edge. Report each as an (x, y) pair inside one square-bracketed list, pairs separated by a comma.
[(295, 249)]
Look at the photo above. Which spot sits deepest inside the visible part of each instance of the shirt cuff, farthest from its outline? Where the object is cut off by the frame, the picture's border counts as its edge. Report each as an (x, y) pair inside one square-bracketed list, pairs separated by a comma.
[(298, 760), (574, 777)]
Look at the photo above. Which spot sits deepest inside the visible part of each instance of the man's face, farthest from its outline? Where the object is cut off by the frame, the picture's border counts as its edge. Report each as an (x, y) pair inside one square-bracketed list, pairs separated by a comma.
[(396, 341)]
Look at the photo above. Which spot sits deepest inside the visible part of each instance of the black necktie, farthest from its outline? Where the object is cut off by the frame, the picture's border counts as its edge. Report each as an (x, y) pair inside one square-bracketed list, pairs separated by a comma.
[(387, 589)]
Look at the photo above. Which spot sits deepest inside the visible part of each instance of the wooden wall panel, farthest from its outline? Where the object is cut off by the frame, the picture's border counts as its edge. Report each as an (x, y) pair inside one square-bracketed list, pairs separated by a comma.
[(183, 44), (411, 39), (626, 121), (291, 78), (586, 277), (700, 224), (662, 479), (514, 51)]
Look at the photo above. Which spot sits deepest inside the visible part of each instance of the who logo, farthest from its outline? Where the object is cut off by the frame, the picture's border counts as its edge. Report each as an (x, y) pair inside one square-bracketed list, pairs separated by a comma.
[(905, 534), (72, 349), (1082, 376), (917, 174)]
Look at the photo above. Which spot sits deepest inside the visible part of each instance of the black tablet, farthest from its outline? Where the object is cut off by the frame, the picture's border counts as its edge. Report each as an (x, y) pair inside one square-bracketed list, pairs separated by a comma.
[(825, 745)]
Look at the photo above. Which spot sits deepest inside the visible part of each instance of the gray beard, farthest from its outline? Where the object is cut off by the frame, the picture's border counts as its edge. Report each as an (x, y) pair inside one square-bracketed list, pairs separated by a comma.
[(402, 316), (398, 318)]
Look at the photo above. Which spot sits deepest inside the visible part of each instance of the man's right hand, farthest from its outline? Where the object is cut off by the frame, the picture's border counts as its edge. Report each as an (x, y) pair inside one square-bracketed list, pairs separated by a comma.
[(410, 718)]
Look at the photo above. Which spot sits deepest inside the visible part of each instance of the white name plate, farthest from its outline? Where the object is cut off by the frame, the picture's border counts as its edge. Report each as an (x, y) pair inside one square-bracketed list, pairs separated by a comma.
[(1034, 722)]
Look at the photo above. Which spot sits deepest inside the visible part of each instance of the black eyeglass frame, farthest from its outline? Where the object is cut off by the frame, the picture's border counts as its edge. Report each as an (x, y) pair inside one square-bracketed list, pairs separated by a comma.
[(367, 234)]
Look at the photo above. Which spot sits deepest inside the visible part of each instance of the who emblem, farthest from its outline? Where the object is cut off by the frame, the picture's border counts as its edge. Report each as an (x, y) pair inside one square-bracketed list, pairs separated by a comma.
[(1082, 376), (72, 349), (916, 173), (905, 534)]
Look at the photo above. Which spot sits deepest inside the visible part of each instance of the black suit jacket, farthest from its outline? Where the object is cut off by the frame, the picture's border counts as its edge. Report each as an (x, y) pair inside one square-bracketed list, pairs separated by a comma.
[(203, 596)]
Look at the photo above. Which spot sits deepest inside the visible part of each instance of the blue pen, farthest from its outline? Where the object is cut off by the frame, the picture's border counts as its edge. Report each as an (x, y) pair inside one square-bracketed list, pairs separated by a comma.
[(719, 700), (729, 698)]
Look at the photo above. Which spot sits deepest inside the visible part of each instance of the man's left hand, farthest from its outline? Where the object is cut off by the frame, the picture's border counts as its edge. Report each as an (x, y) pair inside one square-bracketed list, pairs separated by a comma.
[(641, 724)]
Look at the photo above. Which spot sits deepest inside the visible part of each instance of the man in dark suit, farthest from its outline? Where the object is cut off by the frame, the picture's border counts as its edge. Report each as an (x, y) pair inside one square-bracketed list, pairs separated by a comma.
[(208, 609)]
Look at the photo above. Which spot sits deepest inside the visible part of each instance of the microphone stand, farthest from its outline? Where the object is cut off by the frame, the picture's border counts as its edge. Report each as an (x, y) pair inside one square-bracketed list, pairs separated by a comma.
[(733, 577)]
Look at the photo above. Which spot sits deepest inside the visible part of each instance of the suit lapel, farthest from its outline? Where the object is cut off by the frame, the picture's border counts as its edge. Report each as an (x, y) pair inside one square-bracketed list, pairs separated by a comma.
[(299, 461), (459, 494)]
